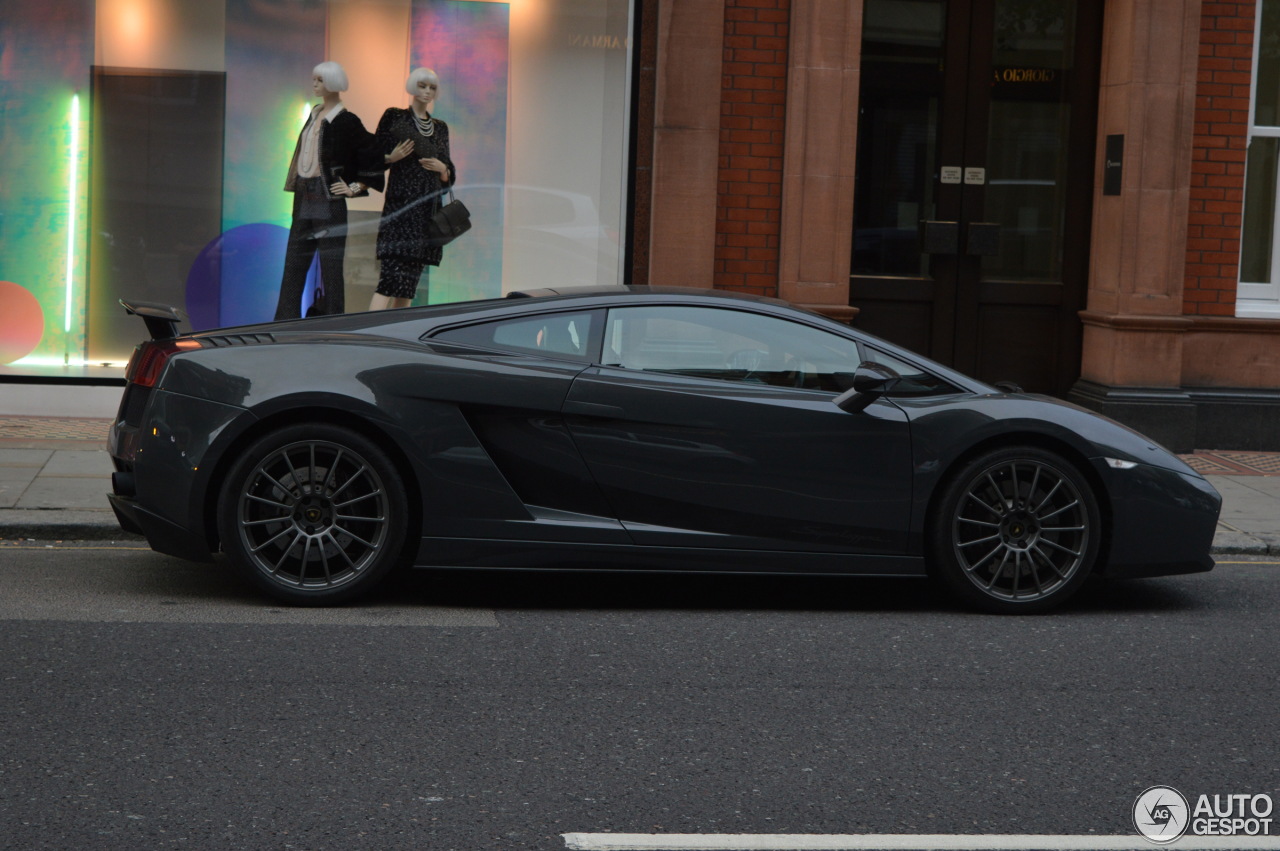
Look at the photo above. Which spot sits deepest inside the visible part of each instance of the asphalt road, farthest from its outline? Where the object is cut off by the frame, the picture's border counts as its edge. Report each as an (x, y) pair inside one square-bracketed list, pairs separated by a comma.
[(147, 703)]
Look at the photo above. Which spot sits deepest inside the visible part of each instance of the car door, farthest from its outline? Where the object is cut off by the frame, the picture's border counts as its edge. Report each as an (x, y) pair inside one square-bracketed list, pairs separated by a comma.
[(512, 448), (713, 427)]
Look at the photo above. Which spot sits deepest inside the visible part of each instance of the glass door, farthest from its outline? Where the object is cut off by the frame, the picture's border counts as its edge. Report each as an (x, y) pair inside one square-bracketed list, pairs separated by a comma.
[(994, 149)]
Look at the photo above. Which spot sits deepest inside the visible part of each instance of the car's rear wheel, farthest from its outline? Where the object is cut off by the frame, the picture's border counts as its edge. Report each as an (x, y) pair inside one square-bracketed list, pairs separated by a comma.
[(313, 514), (1017, 530)]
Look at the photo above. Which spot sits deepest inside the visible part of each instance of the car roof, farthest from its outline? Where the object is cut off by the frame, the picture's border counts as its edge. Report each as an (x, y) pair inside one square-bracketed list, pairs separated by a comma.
[(619, 289)]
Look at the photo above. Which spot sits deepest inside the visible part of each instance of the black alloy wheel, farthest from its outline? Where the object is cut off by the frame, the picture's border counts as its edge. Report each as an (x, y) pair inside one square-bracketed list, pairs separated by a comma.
[(313, 514), (1016, 531)]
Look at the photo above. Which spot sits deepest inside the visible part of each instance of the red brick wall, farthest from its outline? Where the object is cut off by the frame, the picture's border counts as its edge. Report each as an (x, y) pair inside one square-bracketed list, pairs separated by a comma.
[(1217, 166), (752, 115)]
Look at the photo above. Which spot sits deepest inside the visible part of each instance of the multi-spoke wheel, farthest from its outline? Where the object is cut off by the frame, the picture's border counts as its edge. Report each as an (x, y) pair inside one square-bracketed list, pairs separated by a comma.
[(1017, 530), (313, 514)]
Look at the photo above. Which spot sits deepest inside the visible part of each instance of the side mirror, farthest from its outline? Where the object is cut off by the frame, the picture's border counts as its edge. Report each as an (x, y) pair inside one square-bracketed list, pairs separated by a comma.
[(870, 382)]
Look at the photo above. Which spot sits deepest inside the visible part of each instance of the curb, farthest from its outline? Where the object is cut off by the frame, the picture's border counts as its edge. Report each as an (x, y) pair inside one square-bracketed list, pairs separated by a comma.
[(62, 525), (1240, 544)]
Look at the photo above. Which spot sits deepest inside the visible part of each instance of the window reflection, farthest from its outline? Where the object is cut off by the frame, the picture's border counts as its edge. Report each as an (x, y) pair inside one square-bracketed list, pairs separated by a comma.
[(897, 133), (728, 345), (1028, 135)]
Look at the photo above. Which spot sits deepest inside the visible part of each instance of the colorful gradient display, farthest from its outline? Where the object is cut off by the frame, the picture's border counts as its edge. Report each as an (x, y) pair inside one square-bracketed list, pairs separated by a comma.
[(46, 56), (46, 51), (271, 49), (21, 322), (467, 44)]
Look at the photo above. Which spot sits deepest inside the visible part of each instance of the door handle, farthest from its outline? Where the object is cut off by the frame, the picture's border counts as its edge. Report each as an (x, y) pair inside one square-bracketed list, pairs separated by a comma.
[(591, 409), (984, 239), (939, 237)]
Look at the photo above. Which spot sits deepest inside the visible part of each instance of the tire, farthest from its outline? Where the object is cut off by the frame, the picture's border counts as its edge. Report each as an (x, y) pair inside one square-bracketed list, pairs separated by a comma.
[(1016, 531), (314, 515)]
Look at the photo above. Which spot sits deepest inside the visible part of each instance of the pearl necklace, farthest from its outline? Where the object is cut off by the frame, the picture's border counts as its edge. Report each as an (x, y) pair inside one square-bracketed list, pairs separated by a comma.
[(428, 127)]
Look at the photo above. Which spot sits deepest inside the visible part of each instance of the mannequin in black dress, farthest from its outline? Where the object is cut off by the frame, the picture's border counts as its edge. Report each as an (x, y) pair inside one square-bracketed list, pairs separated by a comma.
[(414, 190)]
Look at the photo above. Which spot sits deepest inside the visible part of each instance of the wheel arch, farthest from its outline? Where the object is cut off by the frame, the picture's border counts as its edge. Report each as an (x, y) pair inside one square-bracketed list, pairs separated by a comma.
[(313, 414), (1038, 440)]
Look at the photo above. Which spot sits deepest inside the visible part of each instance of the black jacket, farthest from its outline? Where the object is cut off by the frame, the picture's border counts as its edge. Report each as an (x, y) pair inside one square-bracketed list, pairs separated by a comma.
[(346, 152)]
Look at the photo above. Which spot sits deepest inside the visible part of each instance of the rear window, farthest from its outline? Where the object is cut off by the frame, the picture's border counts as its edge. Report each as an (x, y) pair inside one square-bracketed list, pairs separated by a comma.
[(566, 335)]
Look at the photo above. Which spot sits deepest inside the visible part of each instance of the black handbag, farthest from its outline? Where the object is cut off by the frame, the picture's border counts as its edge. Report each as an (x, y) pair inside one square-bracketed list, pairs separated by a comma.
[(451, 221)]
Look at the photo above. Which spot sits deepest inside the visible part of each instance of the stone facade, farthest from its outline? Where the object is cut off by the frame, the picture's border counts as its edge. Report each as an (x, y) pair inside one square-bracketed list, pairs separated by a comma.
[(751, 189)]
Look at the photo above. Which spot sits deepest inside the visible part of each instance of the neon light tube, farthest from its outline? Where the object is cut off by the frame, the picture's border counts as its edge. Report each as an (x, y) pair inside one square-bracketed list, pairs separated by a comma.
[(71, 206)]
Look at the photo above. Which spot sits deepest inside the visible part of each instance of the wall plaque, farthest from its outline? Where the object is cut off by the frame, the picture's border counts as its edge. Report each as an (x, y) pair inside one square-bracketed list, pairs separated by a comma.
[(1113, 165)]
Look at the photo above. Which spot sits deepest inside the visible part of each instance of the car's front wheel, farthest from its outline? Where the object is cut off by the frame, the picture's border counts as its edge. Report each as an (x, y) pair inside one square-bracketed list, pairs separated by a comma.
[(1017, 530), (313, 514)]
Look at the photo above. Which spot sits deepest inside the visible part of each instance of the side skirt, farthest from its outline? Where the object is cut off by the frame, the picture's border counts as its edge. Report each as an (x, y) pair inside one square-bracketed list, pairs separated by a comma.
[(476, 552)]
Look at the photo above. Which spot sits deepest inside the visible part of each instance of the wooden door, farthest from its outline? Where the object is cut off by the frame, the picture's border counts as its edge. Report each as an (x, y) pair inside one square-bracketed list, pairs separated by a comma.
[(975, 180)]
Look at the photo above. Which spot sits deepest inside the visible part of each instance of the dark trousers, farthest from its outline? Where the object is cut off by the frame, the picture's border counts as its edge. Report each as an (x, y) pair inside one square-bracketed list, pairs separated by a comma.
[(307, 237)]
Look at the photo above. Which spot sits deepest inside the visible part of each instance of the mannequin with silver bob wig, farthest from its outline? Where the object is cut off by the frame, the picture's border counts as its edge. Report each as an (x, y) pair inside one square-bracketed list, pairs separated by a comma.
[(333, 76), (415, 148), (333, 160)]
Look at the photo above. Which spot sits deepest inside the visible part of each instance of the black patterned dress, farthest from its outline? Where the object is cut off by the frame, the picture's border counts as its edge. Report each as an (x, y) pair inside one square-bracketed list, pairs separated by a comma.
[(414, 195)]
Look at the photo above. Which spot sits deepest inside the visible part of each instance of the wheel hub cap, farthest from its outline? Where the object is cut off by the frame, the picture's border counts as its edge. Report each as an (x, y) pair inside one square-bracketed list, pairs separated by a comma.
[(1020, 530)]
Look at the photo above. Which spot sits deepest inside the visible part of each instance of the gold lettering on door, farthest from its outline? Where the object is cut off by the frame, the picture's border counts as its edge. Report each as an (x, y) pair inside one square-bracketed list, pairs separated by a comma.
[(1025, 75)]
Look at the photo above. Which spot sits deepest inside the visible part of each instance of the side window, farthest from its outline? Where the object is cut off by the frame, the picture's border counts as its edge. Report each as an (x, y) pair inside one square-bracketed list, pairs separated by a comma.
[(729, 345), (554, 334), (915, 381)]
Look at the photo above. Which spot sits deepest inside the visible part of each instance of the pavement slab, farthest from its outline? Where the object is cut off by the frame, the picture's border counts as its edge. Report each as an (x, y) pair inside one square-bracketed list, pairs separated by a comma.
[(66, 492), (79, 463), (24, 457)]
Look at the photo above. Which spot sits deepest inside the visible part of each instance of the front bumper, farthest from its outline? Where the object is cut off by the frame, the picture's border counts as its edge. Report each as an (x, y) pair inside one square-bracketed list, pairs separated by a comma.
[(1162, 522), (163, 535)]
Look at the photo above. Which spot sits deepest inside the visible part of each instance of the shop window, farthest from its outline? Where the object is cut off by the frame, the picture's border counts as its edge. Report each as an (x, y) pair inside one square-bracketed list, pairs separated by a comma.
[(191, 113), (1258, 294)]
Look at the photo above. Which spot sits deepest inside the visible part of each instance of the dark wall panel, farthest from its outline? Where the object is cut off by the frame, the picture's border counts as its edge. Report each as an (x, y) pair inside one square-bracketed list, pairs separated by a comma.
[(1018, 343), (909, 324), (156, 192)]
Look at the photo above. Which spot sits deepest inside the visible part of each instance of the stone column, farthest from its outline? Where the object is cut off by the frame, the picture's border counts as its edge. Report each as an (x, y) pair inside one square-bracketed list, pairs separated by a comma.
[(1132, 363), (819, 155), (686, 143)]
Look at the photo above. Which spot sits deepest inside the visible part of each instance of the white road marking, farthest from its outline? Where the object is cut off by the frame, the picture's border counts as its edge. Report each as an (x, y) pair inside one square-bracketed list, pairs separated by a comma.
[(899, 842)]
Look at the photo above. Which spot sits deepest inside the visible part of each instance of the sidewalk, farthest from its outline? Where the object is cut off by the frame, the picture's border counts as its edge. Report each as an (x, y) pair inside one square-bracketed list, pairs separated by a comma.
[(55, 474)]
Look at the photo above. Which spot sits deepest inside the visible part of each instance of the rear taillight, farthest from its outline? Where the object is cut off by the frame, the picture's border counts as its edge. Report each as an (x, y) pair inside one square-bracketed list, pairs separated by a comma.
[(149, 359)]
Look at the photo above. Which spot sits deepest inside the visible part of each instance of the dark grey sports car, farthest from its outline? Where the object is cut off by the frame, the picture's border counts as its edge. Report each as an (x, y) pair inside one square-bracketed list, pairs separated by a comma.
[(629, 428)]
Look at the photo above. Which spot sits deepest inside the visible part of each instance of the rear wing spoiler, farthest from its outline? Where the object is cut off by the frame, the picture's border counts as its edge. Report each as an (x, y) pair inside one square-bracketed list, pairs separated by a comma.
[(162, 319)]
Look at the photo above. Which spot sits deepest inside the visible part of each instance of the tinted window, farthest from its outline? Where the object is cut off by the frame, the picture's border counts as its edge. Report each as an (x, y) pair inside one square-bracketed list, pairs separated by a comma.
[(557, 334), (915, 381), (729, 345)]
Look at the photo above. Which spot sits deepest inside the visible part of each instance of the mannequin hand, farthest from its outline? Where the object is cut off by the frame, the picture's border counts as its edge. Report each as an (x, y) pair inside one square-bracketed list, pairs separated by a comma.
[(400, 152), (433, 164), (341, 188)]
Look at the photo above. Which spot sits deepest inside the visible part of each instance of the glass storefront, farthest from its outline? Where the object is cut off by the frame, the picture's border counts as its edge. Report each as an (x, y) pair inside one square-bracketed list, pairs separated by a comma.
[(147, 144)]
